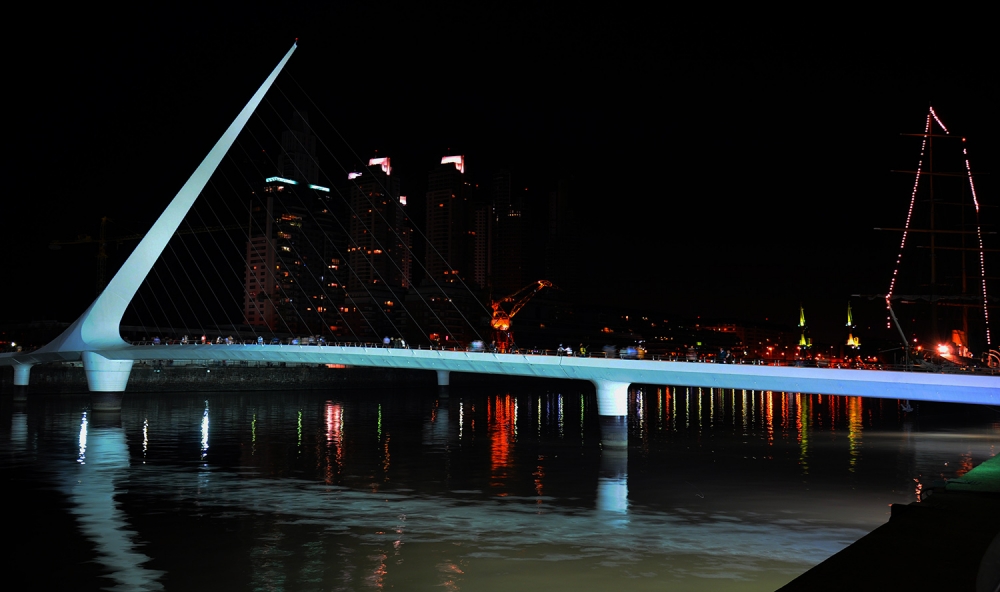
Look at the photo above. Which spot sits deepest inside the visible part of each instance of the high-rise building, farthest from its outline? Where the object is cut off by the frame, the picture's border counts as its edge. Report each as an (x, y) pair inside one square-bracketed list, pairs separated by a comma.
[(450, 233), (445, 305), (508, 237), (378, 251), (293, 260)]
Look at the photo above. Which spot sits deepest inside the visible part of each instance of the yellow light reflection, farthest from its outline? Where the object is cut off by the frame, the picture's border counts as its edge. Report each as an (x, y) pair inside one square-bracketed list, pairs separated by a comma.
[(253, 435), (659, 409), (802, 425), (711, 407), (769, 411), (687, 408), (744, 412), (854, 416)]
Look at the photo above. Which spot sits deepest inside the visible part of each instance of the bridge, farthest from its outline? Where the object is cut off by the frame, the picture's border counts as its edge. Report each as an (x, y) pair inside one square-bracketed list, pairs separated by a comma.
[(107, 359)]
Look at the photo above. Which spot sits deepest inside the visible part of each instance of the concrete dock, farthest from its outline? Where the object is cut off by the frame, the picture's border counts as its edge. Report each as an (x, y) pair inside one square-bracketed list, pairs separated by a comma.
[(948, 541)]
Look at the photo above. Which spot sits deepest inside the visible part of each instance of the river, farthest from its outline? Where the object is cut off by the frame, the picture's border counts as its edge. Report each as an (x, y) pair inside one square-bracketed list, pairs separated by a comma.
[(476, 489)]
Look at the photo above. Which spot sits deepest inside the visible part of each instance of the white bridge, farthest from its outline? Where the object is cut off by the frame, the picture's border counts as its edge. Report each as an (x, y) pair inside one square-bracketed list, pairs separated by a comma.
[(107, 359)]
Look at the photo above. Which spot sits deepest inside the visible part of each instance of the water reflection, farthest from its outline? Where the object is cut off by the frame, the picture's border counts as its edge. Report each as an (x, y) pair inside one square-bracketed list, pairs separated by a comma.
[(612, 483), (103, 461), (416, 490)]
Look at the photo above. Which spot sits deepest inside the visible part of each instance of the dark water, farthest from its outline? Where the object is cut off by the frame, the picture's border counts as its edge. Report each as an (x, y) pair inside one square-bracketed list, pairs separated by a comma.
[(485, 489)]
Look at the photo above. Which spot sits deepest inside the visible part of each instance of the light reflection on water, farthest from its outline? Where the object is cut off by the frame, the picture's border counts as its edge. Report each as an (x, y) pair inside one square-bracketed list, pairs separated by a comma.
[(719, 490)]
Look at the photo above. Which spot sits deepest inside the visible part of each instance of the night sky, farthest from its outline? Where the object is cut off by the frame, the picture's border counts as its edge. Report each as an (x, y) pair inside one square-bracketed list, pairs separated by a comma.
[(724, 165)]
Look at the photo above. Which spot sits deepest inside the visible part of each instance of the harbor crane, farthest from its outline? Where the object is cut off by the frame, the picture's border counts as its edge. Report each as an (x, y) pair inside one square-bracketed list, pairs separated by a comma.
[(500, 323)]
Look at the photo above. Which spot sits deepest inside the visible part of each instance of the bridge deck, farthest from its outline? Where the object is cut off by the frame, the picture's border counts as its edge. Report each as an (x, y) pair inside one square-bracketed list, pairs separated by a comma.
[(921, 386)]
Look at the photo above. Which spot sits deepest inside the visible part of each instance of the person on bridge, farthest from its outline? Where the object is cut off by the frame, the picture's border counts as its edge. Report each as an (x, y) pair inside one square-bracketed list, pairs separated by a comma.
[(260, 340), (385, 341)]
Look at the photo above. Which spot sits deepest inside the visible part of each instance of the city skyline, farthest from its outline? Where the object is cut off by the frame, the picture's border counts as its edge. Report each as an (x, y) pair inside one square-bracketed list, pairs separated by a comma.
[(701, 199)]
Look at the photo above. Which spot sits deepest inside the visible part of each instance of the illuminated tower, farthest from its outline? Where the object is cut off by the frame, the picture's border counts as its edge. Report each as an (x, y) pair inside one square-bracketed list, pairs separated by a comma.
[(450, 231), (379, 230), (292, 256), (852, 341), (804, 340), (444, 305), (378, 252)]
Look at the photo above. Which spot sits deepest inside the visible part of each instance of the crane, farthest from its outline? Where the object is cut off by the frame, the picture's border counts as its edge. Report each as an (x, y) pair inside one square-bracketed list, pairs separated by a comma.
[(501, 320)]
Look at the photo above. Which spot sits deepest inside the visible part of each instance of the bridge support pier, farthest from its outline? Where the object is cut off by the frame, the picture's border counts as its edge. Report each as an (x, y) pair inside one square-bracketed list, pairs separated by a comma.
[(444, 377), (22, 373), (612, 409), (106, 380)]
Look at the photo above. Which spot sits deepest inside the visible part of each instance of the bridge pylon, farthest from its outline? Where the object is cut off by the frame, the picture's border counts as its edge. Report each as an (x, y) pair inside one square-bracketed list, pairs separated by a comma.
[(97, 329), (612, 409)]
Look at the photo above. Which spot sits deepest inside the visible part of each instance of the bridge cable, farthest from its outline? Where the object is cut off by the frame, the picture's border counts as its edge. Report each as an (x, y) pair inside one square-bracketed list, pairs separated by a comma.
[(422, 235), (325, 263), (204, 277), (277, 280), (320, 284), (211, 260), (280, 283), (166, 264), (379, 244), (250, 243), (402, 242), (333, 244)]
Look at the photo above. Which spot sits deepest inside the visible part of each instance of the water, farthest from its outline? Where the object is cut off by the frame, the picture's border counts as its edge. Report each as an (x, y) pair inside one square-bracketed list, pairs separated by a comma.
[(476, 490)]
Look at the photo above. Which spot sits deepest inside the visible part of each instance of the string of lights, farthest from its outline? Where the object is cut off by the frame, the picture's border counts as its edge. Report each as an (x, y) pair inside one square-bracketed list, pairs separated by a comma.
[(909, 217), (979, 235), (932, 115)]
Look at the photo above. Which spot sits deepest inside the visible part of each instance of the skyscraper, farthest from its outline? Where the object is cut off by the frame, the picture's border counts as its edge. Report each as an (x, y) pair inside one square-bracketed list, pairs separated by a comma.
[(508, 237), (378, 251), (450, 233), (444, 304), (293, 256)]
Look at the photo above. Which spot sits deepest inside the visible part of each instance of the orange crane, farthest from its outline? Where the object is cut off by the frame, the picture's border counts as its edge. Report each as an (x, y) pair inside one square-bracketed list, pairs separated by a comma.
[(502, 336)]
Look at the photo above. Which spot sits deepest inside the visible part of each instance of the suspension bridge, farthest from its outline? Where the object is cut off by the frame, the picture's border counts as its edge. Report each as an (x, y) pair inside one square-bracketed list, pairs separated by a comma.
[(94, 339)]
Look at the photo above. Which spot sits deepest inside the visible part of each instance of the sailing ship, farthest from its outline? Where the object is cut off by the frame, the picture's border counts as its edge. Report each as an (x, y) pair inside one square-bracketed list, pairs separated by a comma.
[(937, 299)]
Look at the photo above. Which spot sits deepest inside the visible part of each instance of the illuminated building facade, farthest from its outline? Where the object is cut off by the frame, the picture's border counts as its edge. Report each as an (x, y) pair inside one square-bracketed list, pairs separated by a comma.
[(456, 257), (378, 251), (293, 259), (450, 216)]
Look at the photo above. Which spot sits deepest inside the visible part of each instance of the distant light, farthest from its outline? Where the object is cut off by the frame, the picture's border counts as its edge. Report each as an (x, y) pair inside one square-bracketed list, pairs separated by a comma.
[(319, 188), (943, 349), (458, 160), (402, 200), (280, 180), (353, 176), (384, 162)]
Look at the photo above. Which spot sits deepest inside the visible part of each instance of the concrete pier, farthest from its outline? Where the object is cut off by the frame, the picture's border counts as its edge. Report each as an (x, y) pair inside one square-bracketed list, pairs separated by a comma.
[(948, 541), (612, 409)]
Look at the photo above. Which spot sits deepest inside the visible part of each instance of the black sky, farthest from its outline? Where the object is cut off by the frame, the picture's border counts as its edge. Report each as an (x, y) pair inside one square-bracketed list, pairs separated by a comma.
[(725, 166)]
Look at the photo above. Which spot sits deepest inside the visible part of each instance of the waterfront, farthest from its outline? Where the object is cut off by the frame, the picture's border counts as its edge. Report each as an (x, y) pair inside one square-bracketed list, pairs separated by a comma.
[(484, 488)]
